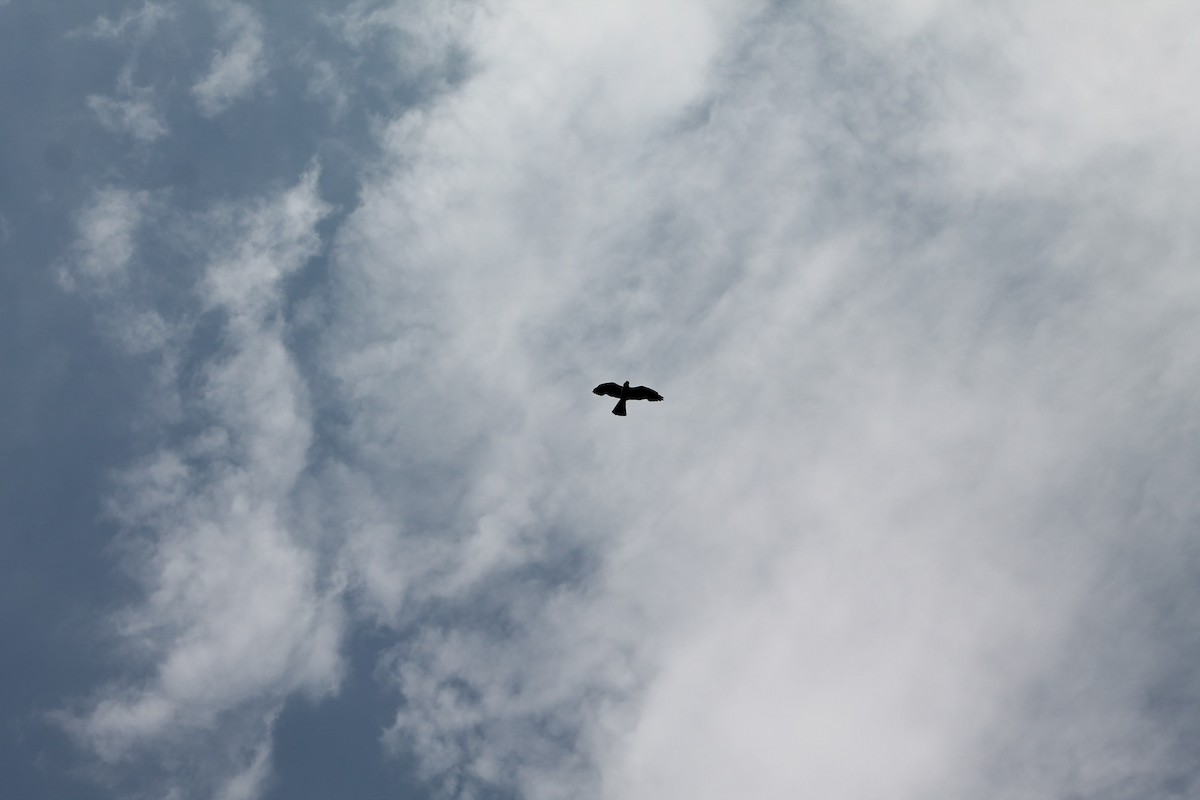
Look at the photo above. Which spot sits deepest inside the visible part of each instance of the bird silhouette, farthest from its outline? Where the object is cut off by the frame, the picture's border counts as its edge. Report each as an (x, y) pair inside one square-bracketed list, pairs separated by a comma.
[(626, 392)]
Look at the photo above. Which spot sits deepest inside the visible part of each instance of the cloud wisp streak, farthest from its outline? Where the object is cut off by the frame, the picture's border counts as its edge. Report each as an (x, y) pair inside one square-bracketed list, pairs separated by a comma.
[(235, 617), (238, 66)]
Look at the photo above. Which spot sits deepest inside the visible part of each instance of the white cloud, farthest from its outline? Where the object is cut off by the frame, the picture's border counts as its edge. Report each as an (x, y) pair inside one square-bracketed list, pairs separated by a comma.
[(103, 265), (238, 66), (107, 228), (1062, 84), (880, 496), (236, 613), (273, 242), (423, 34)]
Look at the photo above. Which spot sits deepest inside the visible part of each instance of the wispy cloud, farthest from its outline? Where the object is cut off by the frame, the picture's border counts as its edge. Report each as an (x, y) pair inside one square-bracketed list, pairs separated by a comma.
[(132, 111), (136, 23), (238, 66), (235, 616), (249, 783), (107, 228), (135, 115), (422, 35), (325, 84)]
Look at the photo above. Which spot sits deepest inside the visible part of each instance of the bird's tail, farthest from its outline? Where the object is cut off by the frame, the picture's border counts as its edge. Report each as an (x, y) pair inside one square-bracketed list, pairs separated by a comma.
[(619, 408)]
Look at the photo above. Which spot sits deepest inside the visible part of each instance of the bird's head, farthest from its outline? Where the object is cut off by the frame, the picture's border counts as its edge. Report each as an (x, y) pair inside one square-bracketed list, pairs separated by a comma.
[(626, 384)]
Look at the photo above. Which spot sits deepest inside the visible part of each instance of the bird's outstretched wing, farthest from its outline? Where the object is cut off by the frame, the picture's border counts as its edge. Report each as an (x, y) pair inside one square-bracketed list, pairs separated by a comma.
[(610, 389), (643, 393)]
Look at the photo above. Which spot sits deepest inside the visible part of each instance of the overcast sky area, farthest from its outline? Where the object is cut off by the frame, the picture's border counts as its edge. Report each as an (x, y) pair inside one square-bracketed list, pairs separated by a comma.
[(304, 493)]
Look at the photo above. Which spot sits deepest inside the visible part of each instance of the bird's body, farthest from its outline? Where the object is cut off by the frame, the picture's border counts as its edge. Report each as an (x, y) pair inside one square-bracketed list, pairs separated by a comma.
[(626, 392)]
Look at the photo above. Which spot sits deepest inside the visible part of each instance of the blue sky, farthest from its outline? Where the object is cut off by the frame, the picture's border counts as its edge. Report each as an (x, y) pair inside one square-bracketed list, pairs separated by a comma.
[(304, 492)]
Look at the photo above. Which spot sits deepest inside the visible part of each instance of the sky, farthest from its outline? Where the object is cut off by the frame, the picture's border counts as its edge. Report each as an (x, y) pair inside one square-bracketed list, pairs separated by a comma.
[(304, 492)]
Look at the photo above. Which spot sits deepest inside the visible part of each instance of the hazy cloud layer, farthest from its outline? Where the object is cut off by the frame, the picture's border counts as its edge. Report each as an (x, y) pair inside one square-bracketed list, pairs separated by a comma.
[(879, 505), (916, 519)]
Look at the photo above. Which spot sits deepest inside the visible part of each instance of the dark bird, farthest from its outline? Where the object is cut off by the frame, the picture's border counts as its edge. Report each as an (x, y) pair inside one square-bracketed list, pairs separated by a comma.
[(626, 392)]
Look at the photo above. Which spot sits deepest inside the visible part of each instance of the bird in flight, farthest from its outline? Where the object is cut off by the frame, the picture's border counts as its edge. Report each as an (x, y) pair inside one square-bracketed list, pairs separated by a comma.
[(626, 392)]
